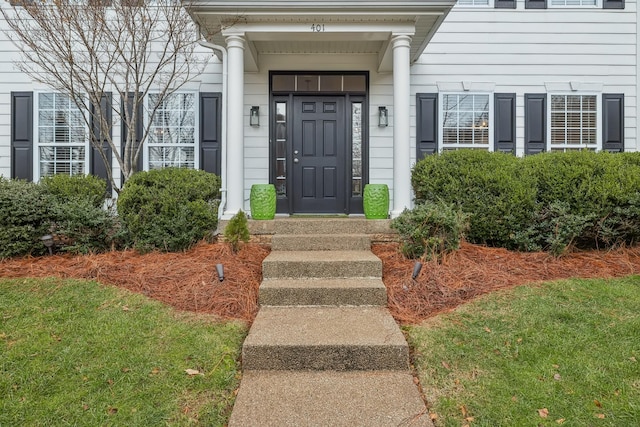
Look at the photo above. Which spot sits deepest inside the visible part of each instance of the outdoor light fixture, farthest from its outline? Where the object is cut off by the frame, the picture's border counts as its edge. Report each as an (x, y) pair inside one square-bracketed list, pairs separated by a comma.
[(47, 241), (383, 117), (220, 270), (254, 116)]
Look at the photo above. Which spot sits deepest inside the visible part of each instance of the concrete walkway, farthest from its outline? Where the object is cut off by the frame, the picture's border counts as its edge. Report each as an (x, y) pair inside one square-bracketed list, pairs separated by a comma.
[(323, 349)]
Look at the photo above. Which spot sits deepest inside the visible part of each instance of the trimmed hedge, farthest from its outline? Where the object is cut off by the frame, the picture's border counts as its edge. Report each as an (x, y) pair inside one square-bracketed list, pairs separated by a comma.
[(169, 209), (552, 201), (492, 188)]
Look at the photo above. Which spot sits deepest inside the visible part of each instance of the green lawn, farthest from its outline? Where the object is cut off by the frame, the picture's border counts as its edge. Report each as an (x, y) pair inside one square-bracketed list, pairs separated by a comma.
[(78, 353), (563, 353)]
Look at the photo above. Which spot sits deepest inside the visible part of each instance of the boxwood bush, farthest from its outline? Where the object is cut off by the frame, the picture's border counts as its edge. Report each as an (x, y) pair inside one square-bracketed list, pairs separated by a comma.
[(85, 187), (596, 192), (169, 209), (492, 188), (26, 213)]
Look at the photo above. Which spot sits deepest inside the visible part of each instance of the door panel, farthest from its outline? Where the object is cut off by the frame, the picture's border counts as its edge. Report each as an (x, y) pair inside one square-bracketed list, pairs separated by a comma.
[(319, 155)]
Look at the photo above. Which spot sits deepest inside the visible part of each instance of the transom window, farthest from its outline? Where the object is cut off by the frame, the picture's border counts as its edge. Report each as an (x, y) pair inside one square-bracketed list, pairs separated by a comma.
[(465, 121), (62, 136), (172, 135), (573, 122)]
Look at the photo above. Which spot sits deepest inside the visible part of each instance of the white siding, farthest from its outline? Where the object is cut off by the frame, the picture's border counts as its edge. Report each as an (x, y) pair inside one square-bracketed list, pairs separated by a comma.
[(535, 51)]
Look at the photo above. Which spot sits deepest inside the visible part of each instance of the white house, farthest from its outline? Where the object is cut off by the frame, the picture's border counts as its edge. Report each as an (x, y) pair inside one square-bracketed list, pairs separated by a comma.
[(322, 97)]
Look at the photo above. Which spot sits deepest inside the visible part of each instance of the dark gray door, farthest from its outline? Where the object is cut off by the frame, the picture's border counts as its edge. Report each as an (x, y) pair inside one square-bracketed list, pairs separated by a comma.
[(319, 155)]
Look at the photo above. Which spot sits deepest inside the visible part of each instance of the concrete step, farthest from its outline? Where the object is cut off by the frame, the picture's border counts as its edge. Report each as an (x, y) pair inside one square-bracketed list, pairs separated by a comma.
[(320, 242), (327, 398), (338, 291), (296, 225), (310, 264), (325, 338)]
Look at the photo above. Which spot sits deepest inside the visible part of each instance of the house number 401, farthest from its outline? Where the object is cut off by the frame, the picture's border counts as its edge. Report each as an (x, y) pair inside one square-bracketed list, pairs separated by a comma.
[(317, 28)]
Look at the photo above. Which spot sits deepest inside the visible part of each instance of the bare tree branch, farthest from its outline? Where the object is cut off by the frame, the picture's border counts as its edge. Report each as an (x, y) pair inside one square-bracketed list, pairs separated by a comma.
[(89, 49)]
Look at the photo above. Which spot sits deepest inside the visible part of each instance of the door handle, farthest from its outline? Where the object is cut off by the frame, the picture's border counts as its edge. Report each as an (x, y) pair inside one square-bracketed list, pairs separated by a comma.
[(295, 160)]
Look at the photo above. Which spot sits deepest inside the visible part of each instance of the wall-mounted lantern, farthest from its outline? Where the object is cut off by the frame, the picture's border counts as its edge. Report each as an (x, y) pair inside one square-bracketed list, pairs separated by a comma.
[(383, 117), (254, 116)]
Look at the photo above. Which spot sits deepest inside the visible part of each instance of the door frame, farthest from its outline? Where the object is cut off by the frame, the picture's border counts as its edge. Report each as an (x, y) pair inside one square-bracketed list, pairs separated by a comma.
[(353, 202)]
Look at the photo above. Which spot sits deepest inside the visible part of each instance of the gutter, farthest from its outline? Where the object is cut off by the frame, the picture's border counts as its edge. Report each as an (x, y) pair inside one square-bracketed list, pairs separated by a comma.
[(223, 132)]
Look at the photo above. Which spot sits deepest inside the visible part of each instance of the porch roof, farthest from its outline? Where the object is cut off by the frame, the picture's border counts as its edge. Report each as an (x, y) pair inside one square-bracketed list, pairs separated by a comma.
[(317, 26)]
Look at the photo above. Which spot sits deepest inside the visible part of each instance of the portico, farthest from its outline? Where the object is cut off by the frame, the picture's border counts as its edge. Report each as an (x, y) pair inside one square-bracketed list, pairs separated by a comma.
[(315, 39)]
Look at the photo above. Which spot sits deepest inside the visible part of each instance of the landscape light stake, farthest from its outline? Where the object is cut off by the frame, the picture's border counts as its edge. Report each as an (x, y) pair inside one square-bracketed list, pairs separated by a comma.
[(220, 270), (416, 269), (47, 241)]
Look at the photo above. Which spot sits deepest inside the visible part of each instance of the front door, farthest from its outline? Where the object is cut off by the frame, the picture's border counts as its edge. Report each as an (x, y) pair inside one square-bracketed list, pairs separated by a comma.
[(319, 154)]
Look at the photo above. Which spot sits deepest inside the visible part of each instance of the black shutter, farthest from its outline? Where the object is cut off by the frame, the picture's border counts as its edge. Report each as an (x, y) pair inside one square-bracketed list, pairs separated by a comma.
[(613, 4), (505, 122), (427, 124), (613, 122), (535, 123), (505, 4), (22, 135), (535, 4), (139, 129), (210, 131), (97, 164)]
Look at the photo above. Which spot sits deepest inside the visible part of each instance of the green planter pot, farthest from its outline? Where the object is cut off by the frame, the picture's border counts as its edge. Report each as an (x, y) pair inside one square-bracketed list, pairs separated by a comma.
[(376, 201), (263, 201)]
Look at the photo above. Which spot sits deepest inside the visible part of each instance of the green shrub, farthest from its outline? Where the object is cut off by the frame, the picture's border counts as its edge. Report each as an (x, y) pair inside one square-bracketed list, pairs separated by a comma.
[(169, 209), (492, 188), (601, 189), (26, 214), (431, 229), (237, 230), (82, 227), (67, 187)]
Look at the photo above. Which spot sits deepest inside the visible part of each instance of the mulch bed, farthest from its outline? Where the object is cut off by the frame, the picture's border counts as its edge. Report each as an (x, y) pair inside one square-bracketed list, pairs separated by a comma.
[(188, 280)]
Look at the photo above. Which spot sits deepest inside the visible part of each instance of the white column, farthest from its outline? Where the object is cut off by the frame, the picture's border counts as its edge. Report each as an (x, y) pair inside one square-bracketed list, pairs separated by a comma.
[(235, 127), (401, 102)]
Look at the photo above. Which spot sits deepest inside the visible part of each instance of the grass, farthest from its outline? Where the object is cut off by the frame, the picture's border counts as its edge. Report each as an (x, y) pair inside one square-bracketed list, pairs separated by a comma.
[(78, 353), (563, 353)]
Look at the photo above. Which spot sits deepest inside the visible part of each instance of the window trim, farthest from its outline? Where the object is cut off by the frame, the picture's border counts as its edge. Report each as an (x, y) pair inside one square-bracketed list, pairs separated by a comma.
[(598, 122), (36, 136), (490, 125), (196, 129)]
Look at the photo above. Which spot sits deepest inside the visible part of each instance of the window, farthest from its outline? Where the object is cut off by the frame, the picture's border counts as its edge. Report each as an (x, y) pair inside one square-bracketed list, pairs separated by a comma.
[(62, 136), (573, 3), (468, 3), (172, 134), (465, 121), (573, 122)]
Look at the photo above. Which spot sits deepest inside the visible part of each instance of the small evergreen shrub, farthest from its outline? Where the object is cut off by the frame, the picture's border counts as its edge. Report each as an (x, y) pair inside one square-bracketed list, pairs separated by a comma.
[(237, 230), (431, 229), (81, 227), (67, 187), (26, 214), (169, 209), (492, 188)]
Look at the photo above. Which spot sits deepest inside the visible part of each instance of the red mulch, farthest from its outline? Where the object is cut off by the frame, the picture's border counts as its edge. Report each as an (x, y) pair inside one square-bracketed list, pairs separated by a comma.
[(475, 270), (188, 280)]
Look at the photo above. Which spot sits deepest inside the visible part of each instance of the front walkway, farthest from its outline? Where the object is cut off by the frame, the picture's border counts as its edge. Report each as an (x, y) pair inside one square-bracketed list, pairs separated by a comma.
[(324, 350)]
